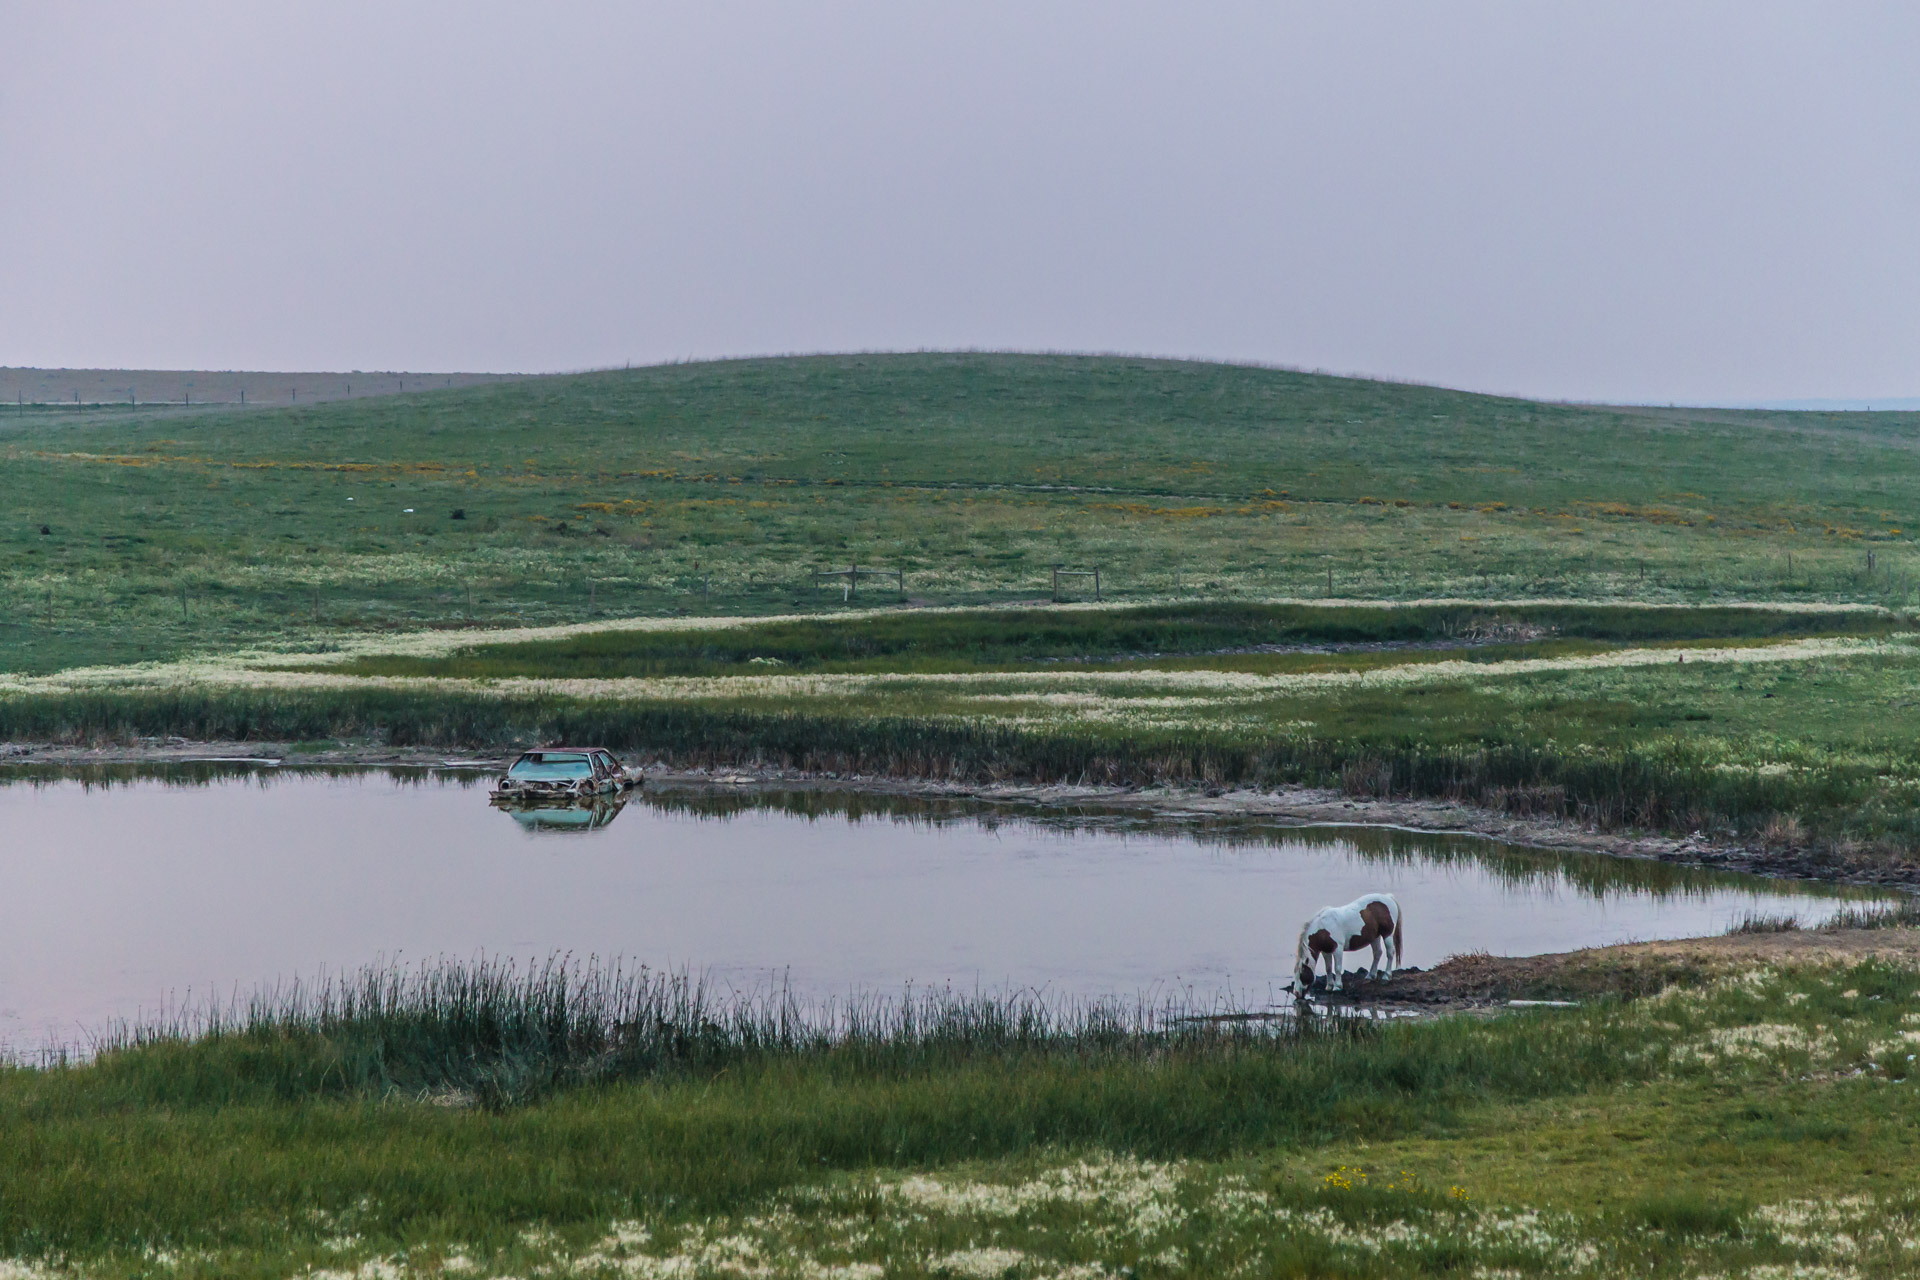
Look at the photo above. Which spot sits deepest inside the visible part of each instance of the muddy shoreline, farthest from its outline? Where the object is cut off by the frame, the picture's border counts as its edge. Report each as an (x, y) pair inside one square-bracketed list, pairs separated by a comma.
[(1481, 983), (1301, 805)]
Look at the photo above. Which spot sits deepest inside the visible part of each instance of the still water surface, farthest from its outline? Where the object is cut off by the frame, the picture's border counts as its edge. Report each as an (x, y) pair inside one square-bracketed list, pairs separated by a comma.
[(130, 890)]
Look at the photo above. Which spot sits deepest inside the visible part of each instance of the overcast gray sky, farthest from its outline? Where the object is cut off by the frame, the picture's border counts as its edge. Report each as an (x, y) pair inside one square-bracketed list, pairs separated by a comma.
[(1650, 201)]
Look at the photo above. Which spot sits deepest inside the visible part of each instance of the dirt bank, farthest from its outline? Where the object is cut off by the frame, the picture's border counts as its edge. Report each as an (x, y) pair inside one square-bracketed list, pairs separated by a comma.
[(1296, 805), (1637, 968)]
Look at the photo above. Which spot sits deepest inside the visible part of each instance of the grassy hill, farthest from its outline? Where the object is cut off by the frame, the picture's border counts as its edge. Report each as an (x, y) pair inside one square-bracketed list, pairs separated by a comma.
[(458, 1126), (715, 488)]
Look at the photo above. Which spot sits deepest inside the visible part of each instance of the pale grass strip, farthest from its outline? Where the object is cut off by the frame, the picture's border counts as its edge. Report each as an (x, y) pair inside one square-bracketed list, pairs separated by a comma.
[(421, 644), (245, 671)]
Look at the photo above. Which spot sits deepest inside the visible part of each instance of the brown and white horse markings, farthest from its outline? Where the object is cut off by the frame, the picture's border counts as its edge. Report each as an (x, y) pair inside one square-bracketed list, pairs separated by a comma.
[(1372, 921)]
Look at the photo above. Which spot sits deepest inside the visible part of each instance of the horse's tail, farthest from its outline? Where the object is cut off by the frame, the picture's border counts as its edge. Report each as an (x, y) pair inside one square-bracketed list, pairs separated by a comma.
[(1399, 936)]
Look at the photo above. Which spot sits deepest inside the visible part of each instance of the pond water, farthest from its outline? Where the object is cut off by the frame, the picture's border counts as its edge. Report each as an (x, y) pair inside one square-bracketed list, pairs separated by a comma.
[(131, 890)]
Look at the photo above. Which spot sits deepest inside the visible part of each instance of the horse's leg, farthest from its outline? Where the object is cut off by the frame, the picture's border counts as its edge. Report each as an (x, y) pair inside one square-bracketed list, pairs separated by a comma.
[(1336, 970), (1376, 971)]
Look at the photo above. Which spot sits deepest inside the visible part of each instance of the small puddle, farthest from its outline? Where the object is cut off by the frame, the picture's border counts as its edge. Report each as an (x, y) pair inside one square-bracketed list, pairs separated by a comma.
[(138, 888)]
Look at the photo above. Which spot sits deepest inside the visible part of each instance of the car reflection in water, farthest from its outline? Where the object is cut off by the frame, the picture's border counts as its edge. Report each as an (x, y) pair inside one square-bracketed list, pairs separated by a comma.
[(580, 816)]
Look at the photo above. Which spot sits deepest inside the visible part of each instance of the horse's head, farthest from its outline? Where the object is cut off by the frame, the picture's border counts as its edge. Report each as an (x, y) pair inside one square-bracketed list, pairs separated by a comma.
[(1303, 960)]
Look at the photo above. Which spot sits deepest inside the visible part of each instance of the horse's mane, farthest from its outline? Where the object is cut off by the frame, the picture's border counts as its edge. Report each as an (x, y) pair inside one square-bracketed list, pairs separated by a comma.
[(1300, 948)]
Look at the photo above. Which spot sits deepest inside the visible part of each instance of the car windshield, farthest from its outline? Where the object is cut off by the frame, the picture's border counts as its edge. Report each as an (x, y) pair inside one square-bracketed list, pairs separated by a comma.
[(551, 766)]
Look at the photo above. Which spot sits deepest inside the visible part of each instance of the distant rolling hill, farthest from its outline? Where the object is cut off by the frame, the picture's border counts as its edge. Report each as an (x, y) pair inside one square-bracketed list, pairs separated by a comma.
[(184, 387), (718, 487)]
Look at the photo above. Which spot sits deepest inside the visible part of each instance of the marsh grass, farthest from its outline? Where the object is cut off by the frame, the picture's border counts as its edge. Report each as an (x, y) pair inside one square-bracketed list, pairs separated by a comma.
[(481, 1099), (1902, 913), (1636, 749), (500, 1032), (1757, 922)]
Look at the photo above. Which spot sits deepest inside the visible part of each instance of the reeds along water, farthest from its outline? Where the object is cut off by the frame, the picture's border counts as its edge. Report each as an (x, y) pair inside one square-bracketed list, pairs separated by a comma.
[(503, 1031), (1662, 786)]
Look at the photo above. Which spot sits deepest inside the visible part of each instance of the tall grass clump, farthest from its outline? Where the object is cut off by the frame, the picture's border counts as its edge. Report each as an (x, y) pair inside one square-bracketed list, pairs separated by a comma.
[(1902, 913), (497, 1032), (1764, 922)]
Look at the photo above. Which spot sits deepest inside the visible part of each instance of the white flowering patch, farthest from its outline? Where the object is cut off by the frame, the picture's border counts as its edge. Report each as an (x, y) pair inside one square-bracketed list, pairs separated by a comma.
[(1838, 1235), (17, 1269), (1105, 1219), (371, 1269), (1767, 1041), (978, 1264)]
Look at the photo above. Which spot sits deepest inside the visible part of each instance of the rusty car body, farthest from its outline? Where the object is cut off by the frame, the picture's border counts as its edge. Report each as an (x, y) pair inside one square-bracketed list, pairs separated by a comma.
[(563, 775)]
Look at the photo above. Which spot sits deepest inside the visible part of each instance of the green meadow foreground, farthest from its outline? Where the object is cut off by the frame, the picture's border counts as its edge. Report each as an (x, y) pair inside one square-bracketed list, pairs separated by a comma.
[(1738, 1111)]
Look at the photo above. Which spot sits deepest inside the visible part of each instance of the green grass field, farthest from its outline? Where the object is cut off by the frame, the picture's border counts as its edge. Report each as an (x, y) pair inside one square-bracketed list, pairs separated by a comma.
[(716, 488), (1389, 590), (1199, 490), (1758, 1124)]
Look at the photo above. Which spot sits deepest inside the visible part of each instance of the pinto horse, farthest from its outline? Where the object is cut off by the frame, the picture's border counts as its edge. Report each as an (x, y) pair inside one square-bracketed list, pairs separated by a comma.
[(1372, 921)]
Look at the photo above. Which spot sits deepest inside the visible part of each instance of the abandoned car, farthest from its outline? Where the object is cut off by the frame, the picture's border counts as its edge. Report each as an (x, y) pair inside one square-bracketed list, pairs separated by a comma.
[(563, 774)]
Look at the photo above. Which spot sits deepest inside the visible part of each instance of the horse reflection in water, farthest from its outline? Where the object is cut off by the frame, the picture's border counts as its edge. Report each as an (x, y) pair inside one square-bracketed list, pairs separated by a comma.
[(581, 816), (1371, 921)]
